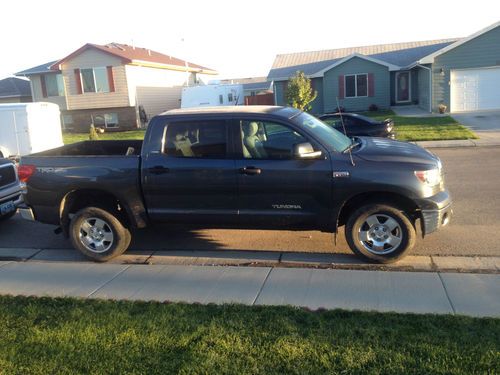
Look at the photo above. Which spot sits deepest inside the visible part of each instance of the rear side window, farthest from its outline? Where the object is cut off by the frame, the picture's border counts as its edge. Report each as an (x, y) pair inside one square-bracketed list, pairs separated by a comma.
[(197, 139)]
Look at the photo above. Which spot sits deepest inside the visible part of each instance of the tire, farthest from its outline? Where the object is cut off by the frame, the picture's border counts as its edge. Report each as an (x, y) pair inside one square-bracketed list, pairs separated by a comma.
[(7, 216), (380, 233), (98, 234)]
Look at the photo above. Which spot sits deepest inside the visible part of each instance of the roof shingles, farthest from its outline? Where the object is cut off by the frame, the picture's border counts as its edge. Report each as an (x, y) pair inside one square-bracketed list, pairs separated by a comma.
[(14, 87), (400, 54)]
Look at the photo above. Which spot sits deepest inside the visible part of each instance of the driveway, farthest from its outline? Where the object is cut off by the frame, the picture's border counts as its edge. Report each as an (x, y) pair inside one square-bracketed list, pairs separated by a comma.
[(487, 121)]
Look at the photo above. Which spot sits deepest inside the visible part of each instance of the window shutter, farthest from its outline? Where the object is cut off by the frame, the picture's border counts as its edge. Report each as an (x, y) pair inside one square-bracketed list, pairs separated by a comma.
[(341, 87), (44, 86), (78, 80), (111, 81), (371, 85)]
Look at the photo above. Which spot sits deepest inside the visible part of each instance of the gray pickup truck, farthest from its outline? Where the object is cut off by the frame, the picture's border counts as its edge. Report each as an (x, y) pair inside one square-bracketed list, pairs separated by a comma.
[(10, 190), (240, 167)]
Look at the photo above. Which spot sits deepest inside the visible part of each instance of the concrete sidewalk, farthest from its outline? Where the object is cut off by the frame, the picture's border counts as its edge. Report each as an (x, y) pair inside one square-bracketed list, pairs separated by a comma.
[(417, 292)]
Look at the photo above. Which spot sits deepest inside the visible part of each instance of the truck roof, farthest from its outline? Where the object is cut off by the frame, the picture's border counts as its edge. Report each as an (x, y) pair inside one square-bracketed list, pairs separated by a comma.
[(286, 112)]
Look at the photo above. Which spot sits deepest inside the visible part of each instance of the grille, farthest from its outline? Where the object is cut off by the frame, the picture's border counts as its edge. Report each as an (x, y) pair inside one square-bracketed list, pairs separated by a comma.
[(7, 175)]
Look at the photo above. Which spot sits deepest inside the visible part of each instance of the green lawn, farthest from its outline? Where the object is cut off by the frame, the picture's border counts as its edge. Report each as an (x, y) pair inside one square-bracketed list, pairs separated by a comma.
[(77, 137), (425, 128), (68, 336)]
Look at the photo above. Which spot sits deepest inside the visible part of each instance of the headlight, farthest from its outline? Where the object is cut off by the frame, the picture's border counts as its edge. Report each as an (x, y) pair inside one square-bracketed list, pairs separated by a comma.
[(431, 177)]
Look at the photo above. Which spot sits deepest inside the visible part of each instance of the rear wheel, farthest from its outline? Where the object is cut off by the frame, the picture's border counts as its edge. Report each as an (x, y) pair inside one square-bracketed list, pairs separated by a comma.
[(98, 234), (380, 233)]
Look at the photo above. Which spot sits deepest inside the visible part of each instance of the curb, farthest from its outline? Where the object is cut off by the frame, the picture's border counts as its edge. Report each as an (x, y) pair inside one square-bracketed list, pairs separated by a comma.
[(242, 258), (457, 144)]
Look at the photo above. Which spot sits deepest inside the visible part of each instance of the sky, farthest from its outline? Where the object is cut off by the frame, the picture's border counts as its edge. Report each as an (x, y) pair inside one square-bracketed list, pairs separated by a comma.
[(236, 38)]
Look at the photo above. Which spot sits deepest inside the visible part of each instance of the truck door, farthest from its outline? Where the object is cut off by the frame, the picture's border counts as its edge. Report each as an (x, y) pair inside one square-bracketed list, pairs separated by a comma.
[(274, 186), (190, 177)]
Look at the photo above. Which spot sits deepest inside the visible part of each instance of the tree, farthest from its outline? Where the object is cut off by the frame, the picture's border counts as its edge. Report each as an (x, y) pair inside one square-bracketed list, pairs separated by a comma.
[(299, 92)]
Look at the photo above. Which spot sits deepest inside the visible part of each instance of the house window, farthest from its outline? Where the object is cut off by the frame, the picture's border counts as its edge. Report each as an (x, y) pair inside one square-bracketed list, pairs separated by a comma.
[(230, 97), (95, 80), (221, 99), (356, 85), (107, 120), (54, 84)]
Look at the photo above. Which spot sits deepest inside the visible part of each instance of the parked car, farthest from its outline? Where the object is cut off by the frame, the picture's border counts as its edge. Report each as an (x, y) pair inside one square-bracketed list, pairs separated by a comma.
[(242, 167), (10, 190), (359, 125)]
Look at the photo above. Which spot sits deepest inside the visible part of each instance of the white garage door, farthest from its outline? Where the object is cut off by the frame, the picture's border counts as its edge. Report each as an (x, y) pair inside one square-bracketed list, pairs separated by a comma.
[(475, 89)]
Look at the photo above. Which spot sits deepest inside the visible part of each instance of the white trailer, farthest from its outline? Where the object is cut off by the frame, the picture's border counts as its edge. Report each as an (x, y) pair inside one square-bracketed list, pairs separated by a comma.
[(26, 128), (212, 96)]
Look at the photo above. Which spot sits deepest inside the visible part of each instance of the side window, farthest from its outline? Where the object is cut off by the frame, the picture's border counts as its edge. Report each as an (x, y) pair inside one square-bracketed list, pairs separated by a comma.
[(197, 139), (268, 140)]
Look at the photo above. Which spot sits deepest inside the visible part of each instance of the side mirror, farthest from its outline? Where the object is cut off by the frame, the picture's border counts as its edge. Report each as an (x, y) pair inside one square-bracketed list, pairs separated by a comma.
[(305, 151)]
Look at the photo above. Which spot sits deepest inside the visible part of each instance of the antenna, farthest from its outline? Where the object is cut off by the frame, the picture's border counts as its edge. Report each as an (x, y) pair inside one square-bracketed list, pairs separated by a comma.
[(345, 133)]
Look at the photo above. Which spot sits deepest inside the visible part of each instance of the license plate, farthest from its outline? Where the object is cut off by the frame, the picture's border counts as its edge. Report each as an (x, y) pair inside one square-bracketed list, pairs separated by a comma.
[(5, 208)]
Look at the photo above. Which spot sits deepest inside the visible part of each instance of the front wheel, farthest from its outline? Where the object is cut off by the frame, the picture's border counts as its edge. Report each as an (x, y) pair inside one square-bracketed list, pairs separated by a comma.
[(380, 233), (98, 234)]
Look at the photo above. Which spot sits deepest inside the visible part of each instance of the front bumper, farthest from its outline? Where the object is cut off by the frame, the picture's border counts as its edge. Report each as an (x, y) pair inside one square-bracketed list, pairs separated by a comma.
[(436, 212), (12, 194)]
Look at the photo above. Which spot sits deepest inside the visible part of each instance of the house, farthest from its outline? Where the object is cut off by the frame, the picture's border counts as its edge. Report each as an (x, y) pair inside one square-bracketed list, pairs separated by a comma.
[(113, 85), (462, 74), (15, 90)]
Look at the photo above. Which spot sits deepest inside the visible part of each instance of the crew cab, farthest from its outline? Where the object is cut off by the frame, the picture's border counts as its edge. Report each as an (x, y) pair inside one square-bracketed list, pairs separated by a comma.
[(10, 190), (240, 167)]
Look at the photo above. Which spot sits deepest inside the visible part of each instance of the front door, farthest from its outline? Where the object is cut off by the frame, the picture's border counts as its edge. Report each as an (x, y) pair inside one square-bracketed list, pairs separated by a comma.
[(274, 187), (403, 87), (191, 178)]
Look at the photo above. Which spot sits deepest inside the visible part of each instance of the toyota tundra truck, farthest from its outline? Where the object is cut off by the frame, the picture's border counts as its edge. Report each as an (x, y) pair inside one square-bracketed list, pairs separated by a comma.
[(243, 167)]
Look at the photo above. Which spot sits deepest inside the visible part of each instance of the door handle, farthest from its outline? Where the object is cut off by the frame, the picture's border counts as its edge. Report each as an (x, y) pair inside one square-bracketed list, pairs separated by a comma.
[(158, 169), (250, 170)]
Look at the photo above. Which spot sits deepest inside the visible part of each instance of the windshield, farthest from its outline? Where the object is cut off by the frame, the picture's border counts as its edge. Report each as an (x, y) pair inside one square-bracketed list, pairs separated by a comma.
[(336, 140)]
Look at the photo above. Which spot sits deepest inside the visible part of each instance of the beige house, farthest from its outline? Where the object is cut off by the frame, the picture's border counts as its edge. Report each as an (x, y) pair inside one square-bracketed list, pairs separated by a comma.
[(115, 86)]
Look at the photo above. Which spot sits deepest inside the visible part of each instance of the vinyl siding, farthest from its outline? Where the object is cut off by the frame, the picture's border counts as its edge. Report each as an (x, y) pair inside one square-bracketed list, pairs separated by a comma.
[(423, 88), (357, 65), (36, 92), (317, 104), (279, 92), (93, 59), (157, 90), (483, 51)]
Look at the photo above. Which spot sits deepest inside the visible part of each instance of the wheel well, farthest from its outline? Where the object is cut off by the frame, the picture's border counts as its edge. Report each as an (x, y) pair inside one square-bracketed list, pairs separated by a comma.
[(396, 200), (76, 200)]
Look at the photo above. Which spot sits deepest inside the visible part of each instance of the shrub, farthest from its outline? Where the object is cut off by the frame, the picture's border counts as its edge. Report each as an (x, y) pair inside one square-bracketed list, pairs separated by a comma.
[(93, 133), (373, 108), (299, 92)]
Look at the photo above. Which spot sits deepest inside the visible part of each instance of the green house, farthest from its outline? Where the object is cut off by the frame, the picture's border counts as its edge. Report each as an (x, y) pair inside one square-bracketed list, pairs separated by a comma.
[(462, 74)]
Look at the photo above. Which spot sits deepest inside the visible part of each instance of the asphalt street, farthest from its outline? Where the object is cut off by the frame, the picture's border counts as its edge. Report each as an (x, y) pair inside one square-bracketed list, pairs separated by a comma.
[(472, 175)]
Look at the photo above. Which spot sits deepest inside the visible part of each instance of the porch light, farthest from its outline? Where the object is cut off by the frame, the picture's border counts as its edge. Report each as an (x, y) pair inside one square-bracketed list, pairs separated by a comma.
[(441, 71)]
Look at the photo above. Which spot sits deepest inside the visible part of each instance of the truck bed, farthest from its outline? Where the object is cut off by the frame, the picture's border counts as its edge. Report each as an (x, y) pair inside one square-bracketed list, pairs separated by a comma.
[(106, 166), (96, 148)]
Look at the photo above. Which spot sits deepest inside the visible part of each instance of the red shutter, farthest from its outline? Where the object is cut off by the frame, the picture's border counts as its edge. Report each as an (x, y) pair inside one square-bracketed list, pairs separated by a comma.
[(110, 79), (44, 86), (371, 85), (341, 87), (78, 80)]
